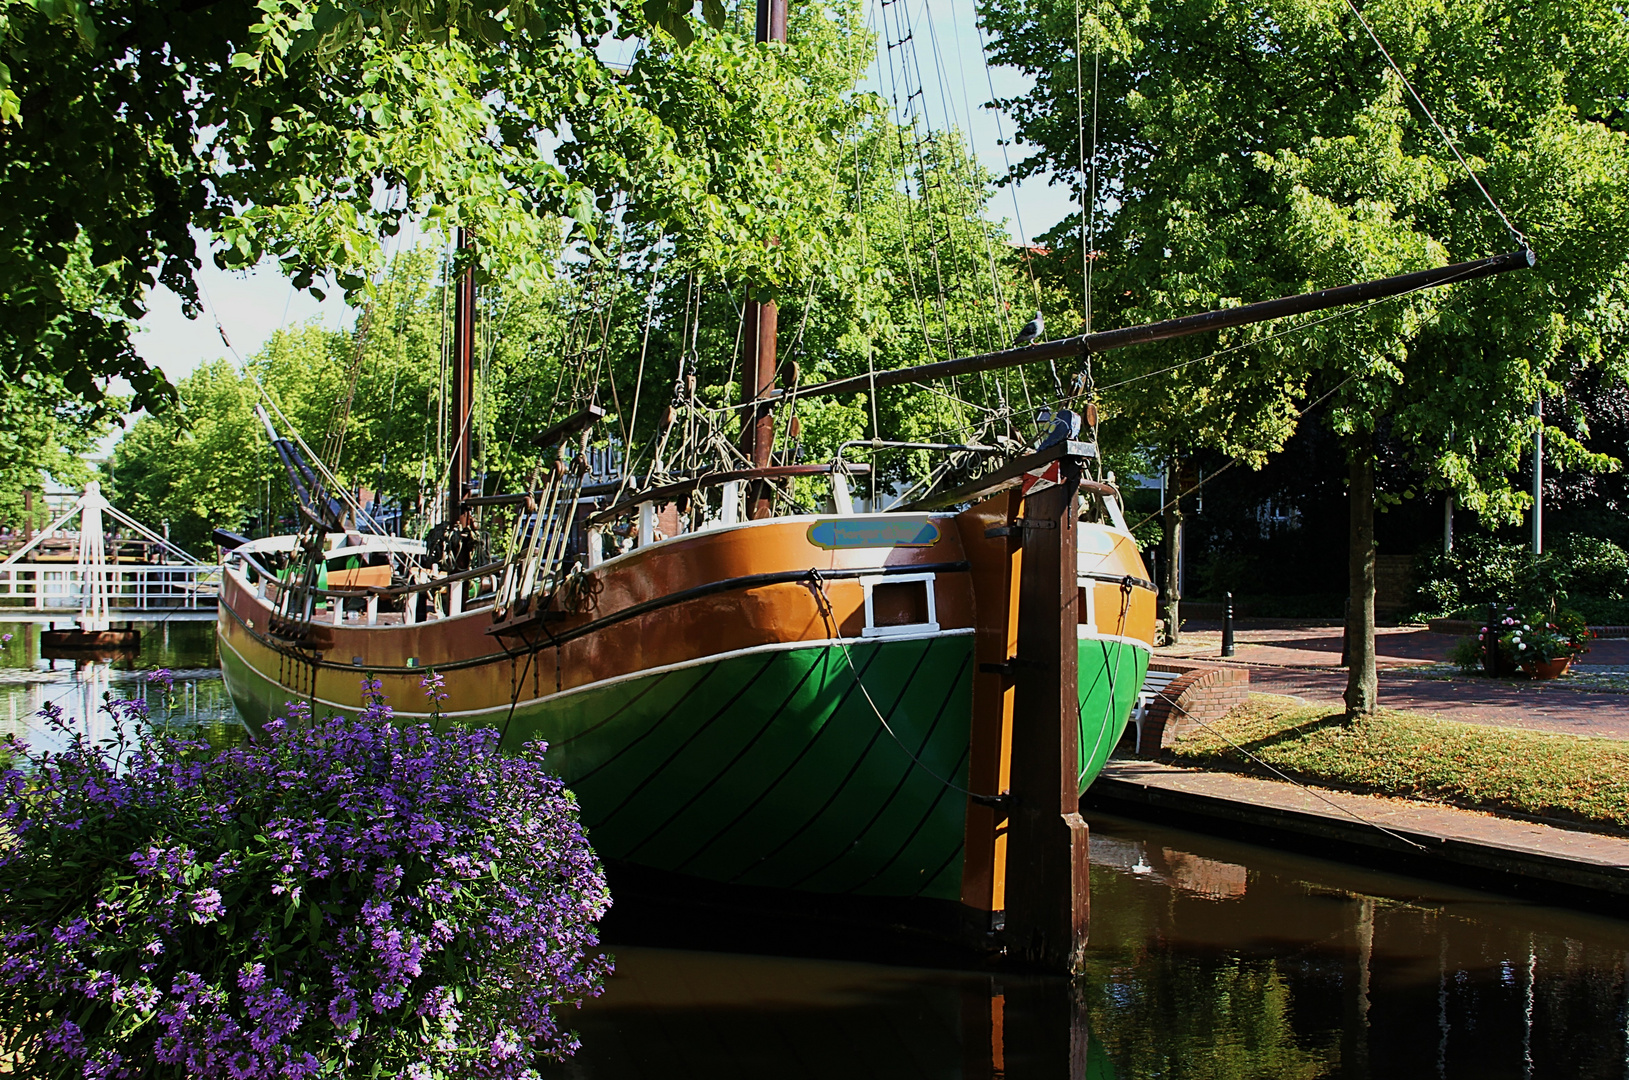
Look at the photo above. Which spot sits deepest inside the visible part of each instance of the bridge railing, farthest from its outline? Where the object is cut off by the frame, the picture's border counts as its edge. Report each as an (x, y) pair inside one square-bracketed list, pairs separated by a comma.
[(131, 588)]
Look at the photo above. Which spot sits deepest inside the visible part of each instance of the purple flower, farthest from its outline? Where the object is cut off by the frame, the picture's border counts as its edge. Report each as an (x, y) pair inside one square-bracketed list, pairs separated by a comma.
[(423, 895), (207, 906), (433, 684), (162, 677)]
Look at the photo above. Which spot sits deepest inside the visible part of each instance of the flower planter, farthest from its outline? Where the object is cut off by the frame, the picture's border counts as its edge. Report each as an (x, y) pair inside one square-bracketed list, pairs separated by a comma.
[(1548, 669)]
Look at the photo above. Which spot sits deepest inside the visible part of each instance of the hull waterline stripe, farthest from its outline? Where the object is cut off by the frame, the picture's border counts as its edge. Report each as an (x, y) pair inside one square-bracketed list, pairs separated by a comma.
[(1115, 639), (658, 679), (773, 646)]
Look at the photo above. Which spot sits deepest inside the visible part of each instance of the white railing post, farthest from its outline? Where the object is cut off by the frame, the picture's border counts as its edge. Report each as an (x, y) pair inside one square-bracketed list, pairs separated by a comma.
[(373, 609), (729, 510)]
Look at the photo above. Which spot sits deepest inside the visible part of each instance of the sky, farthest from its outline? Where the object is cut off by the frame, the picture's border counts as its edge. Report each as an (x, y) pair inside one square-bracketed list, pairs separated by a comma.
[(251, 306)]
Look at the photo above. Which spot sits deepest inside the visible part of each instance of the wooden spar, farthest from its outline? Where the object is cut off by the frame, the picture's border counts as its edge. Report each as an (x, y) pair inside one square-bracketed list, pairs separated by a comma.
[(759, 335), (669, 492), (463, 384), (1185, 326), (683, 488), (1009, 475), (585, 417)]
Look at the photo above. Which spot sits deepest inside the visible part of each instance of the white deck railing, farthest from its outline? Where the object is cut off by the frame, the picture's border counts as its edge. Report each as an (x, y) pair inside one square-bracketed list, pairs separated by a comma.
[(137, 588)]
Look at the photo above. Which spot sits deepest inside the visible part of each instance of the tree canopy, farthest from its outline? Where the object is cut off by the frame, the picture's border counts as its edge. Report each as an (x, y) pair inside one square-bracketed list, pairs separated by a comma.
[(301, 130), (1252, 151)]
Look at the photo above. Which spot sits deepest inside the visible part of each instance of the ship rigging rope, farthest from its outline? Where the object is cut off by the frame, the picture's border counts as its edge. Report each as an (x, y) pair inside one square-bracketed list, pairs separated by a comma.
[(980, 320), (1179, 496), (1088, 192), (630, 462), (828, 614), (1515, 233), (1299, 414), (1314, 792), (1344, 313), (1010, 179), (1001, 330), (332, 481)]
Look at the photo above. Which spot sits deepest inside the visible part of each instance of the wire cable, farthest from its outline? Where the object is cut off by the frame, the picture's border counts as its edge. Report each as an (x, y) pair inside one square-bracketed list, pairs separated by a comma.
[(1515, 233)]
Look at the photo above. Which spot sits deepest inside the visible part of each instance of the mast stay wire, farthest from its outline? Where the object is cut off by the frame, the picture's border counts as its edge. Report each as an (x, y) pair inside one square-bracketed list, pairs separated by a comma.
[(910, 60), (906, 233), (1515, 233), (954, 250), (1003, 328), (332, 481), (901, 36), (954, 122), (1006, 159), (1299, 414)]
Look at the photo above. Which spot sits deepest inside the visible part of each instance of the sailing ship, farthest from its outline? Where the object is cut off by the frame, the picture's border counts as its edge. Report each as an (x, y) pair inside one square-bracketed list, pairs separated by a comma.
[(891, 711)]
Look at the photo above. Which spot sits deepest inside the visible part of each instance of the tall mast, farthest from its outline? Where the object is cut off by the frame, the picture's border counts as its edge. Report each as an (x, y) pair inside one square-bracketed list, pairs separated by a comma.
[(762, 322), (463, 383)]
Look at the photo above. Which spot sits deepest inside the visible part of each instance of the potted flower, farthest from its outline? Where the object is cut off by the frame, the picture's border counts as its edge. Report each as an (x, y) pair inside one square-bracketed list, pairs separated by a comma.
[(1543, 648), (1497, 658)]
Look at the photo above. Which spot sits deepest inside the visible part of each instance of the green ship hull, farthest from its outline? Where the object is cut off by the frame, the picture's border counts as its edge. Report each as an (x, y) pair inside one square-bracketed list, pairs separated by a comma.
[(780, 768)]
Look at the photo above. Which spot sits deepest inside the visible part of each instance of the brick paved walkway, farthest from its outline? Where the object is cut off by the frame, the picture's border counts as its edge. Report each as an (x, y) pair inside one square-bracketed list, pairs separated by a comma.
[(1304, 662)]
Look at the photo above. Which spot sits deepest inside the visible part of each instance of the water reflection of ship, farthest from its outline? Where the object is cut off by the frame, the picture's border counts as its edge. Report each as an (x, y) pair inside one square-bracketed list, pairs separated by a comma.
[(95, 646), (1195, 875)]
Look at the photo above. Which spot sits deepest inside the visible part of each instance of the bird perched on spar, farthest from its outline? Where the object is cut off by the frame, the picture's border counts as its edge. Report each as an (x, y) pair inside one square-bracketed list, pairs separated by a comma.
[(1031, 332)]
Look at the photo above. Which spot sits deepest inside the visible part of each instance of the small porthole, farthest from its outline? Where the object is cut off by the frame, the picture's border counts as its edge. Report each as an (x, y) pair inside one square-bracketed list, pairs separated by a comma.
[(901, 604)]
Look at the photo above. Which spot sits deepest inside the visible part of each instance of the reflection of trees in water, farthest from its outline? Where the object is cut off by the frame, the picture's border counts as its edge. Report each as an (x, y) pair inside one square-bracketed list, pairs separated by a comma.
[(1169, 1010), (1170, 1017), (1295, 979)]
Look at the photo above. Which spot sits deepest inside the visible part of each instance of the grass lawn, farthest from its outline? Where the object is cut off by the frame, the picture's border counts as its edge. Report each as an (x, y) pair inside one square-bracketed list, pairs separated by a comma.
[(1419, 757)]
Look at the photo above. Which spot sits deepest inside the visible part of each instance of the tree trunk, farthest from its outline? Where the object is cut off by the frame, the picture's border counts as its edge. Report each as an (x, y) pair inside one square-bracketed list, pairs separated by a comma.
[(1171, 580), (1362, 681)]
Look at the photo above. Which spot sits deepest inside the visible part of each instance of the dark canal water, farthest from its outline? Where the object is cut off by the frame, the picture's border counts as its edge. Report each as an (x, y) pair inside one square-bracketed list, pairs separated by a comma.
[(1209, 959)]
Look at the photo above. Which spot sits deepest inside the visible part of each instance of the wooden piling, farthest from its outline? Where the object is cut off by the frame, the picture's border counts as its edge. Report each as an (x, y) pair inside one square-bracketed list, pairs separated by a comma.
[(1047, 860)]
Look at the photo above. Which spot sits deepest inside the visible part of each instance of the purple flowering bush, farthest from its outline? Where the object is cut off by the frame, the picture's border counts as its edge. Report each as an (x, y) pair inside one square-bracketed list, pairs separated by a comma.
[(340, 898)]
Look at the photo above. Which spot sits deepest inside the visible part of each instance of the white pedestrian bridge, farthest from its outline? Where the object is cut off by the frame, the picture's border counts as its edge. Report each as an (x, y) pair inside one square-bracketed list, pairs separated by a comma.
[(68, 573)]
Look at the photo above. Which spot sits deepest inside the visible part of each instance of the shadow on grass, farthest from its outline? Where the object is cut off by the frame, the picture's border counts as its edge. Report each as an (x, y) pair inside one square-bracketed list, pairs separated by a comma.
[(1278, 738)]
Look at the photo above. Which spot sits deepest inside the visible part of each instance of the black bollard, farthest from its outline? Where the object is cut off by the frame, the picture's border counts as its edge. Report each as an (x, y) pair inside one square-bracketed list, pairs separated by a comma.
[(1227, 625)]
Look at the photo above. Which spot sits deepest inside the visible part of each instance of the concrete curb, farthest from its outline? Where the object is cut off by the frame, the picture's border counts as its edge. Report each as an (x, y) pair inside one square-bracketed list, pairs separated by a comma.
[(1484, 863)]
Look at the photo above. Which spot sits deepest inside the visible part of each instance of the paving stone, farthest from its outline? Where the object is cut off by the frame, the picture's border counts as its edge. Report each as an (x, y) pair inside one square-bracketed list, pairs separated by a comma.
[(1304, 662)]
